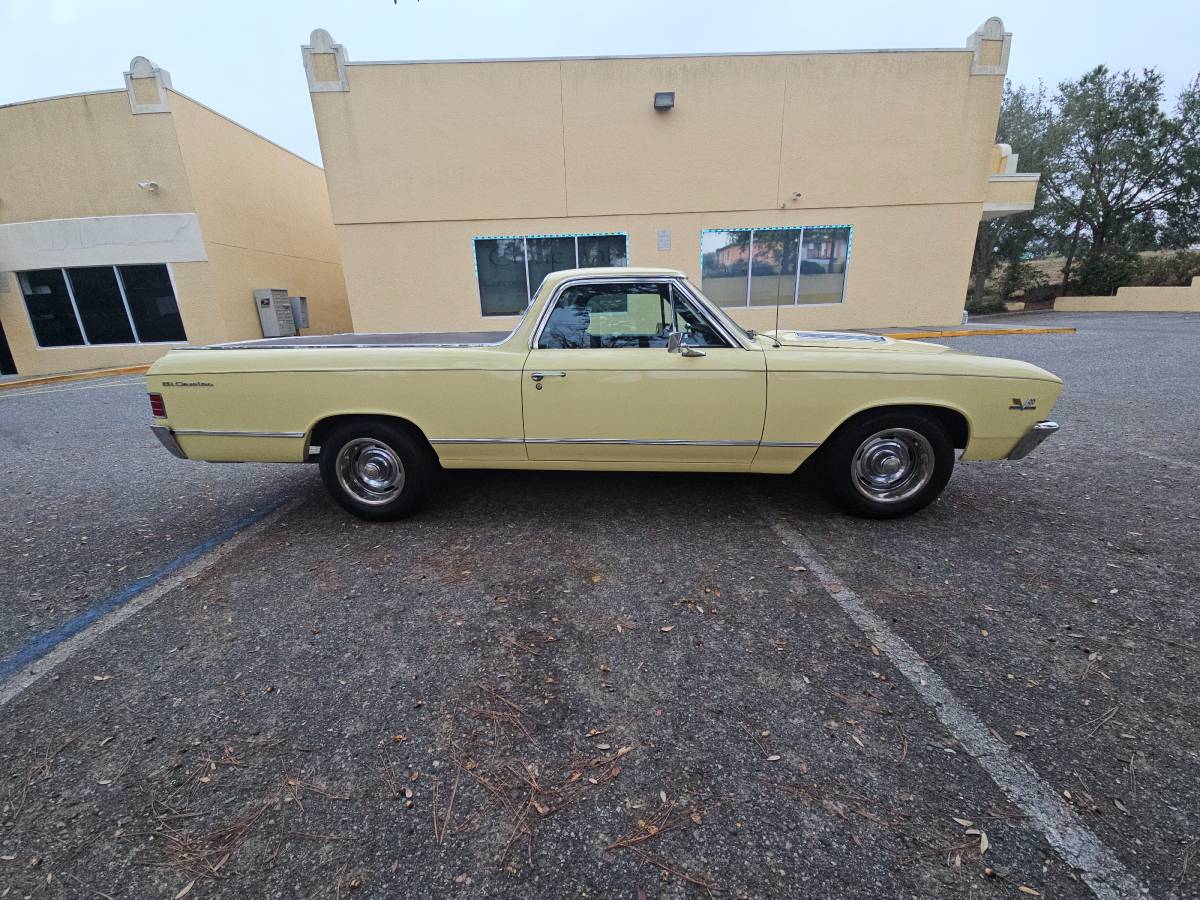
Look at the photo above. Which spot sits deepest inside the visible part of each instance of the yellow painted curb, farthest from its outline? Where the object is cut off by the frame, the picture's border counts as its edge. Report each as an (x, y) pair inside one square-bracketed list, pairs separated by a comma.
[(971, 332), (35, 380)]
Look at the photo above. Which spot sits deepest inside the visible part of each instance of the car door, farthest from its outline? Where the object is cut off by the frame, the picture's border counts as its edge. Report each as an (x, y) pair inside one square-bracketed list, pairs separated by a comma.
[(601, 384)]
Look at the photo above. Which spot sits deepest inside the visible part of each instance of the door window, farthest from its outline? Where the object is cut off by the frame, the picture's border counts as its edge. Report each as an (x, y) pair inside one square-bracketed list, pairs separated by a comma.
[(625, 315)]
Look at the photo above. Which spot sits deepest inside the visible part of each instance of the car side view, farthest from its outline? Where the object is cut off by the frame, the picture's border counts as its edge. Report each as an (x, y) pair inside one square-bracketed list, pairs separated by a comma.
[(627, 369)]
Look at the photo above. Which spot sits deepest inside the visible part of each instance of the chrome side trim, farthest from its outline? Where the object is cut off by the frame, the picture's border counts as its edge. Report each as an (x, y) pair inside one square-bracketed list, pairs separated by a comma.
[(257, 434), (476, 440), (1030, 442), (642, 443), (167, 439), (637, 442)]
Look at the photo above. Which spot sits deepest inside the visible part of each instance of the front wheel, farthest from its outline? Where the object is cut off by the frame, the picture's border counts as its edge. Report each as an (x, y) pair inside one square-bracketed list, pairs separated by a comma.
[(376, 470), (884, 465)]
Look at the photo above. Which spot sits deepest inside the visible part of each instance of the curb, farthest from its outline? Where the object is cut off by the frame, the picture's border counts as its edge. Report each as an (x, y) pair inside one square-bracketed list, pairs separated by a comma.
[(35, 380)]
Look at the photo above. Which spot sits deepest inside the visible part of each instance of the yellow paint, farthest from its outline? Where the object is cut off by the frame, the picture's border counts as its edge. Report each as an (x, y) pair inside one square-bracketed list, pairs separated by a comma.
[(461, 396), (263, 212)]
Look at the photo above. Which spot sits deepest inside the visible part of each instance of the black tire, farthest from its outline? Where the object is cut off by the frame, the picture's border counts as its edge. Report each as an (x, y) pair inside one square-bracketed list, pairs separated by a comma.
[(404, 464), (858, 460)]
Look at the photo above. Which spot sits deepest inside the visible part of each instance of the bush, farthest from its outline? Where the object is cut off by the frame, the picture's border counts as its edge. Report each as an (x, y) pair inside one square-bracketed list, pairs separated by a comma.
[(1020, 277), (1102, 275), (1169, 270)]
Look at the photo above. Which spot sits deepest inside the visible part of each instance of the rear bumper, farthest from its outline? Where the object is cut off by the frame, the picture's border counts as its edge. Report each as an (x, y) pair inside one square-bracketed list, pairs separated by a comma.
[(166, 437), (1030, 442)]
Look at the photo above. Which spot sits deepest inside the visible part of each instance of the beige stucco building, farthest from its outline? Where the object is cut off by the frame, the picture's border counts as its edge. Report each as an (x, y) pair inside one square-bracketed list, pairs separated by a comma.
[(843, 188), (136, 219)]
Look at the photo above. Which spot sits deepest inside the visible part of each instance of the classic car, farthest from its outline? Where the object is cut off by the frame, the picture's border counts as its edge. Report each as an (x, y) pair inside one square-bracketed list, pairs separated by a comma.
[(628, 369)]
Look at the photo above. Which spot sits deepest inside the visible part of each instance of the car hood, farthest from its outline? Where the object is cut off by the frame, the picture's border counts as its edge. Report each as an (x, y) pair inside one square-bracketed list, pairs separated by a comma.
[(849, 340), (849, 350)]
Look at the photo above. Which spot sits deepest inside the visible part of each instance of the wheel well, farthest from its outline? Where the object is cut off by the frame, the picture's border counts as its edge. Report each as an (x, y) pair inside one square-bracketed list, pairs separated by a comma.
[(952, 420), (324, 426)]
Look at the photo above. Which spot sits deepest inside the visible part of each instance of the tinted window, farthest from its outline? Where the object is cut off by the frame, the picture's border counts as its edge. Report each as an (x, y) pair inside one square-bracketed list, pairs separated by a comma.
[(98, 300), (50, 308), (152, 303), (117, 305)]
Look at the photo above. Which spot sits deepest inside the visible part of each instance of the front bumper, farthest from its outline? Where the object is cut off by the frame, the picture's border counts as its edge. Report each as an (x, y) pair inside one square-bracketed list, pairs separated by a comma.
[(166, 437), (1030, 442)]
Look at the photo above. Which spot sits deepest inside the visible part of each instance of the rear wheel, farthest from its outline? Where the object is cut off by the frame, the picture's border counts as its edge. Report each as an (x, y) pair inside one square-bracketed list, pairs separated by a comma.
[(376, 470), (888, 464)]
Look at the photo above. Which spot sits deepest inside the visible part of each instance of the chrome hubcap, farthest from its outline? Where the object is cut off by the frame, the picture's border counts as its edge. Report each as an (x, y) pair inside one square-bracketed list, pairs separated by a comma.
[(370, 471), (892, 465)]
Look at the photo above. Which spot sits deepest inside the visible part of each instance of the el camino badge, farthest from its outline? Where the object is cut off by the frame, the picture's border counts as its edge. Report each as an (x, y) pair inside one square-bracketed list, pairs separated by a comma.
[(1017, 404), (187, 384)]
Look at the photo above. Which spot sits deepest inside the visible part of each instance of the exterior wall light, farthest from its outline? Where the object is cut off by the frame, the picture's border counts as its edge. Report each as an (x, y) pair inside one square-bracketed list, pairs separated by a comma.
[(664, 100), (151, 186)]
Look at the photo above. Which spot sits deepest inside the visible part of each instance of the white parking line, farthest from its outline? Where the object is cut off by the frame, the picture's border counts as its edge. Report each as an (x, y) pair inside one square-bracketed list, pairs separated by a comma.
[(1170, 460), (26, 392), (69, 647), (1079, 847)]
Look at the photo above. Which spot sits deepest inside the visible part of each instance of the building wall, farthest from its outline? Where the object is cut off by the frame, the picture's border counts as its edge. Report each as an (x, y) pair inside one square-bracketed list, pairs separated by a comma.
[(231, 212), (422, 157), (1138, 299), (266, 219)]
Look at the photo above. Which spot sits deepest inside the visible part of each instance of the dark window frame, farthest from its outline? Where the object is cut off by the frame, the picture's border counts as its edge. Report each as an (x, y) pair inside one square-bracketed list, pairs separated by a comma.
[(64, 273)]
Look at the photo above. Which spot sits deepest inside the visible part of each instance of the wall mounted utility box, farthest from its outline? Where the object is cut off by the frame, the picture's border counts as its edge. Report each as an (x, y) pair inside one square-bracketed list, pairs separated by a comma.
[(274, 312), (299, 312)]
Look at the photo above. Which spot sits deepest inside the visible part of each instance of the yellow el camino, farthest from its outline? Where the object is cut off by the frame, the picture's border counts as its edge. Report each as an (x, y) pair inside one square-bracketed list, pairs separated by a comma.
[(616, 369)]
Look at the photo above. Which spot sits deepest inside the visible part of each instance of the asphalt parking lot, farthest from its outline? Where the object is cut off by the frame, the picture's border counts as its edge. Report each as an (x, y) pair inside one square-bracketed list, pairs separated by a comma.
[(556, 684)]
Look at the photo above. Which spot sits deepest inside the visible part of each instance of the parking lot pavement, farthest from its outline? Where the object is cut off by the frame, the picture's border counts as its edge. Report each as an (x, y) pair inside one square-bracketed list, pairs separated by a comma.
[(623, 684), (92, 501)]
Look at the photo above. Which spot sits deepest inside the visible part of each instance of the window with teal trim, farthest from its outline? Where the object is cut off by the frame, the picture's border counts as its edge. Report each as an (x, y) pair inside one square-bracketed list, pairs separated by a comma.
[(510, 269), (775, 266)]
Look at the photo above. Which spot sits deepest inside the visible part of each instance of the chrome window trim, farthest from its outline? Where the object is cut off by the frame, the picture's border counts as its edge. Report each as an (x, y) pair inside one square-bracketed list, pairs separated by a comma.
[(674, 281)]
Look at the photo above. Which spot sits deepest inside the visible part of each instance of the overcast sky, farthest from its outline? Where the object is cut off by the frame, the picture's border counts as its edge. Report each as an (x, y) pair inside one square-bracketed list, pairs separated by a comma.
[(243, 59)]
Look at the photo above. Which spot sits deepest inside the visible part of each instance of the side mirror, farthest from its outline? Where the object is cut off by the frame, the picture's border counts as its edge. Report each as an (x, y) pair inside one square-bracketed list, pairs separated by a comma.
[(675, 344)]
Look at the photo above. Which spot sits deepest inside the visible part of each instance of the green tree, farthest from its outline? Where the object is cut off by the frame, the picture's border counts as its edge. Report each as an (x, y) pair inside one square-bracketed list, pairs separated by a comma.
[(1122, 174), (1025, 120)]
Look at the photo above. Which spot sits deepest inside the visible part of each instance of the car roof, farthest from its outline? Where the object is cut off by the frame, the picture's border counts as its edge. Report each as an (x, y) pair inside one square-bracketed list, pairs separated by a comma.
[(556, 278)]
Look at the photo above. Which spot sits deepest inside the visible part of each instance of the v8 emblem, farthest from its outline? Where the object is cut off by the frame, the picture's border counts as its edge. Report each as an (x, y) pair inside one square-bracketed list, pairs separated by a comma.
[(1017, 404)]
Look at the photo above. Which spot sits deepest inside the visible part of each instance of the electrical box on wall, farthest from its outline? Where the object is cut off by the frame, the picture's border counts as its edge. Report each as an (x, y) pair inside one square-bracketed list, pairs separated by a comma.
[(275, 312), (299, 311)]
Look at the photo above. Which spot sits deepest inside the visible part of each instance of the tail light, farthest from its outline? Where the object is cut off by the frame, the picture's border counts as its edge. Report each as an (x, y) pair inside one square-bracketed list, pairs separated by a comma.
[(158, 408)]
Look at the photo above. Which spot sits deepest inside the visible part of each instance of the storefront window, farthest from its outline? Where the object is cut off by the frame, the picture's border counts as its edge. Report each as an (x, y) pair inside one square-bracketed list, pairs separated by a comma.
[(775, 266), (102, 305), (510, 269)]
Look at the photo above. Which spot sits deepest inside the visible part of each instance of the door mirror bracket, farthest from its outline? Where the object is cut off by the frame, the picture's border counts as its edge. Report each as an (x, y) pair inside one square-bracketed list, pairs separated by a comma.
[(675, 344)]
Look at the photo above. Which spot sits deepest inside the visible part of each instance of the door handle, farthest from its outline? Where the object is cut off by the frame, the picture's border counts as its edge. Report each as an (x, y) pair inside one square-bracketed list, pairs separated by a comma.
[(538, 376)]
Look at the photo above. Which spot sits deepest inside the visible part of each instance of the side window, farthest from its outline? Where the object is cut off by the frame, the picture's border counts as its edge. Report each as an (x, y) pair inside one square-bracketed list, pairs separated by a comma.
[(624, 315)]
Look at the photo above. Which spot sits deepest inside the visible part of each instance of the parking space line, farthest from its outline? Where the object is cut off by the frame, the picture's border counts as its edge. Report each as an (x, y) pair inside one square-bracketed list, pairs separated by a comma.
[(127, 382), (1079, 847), (42, 654), (1169, 460)]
